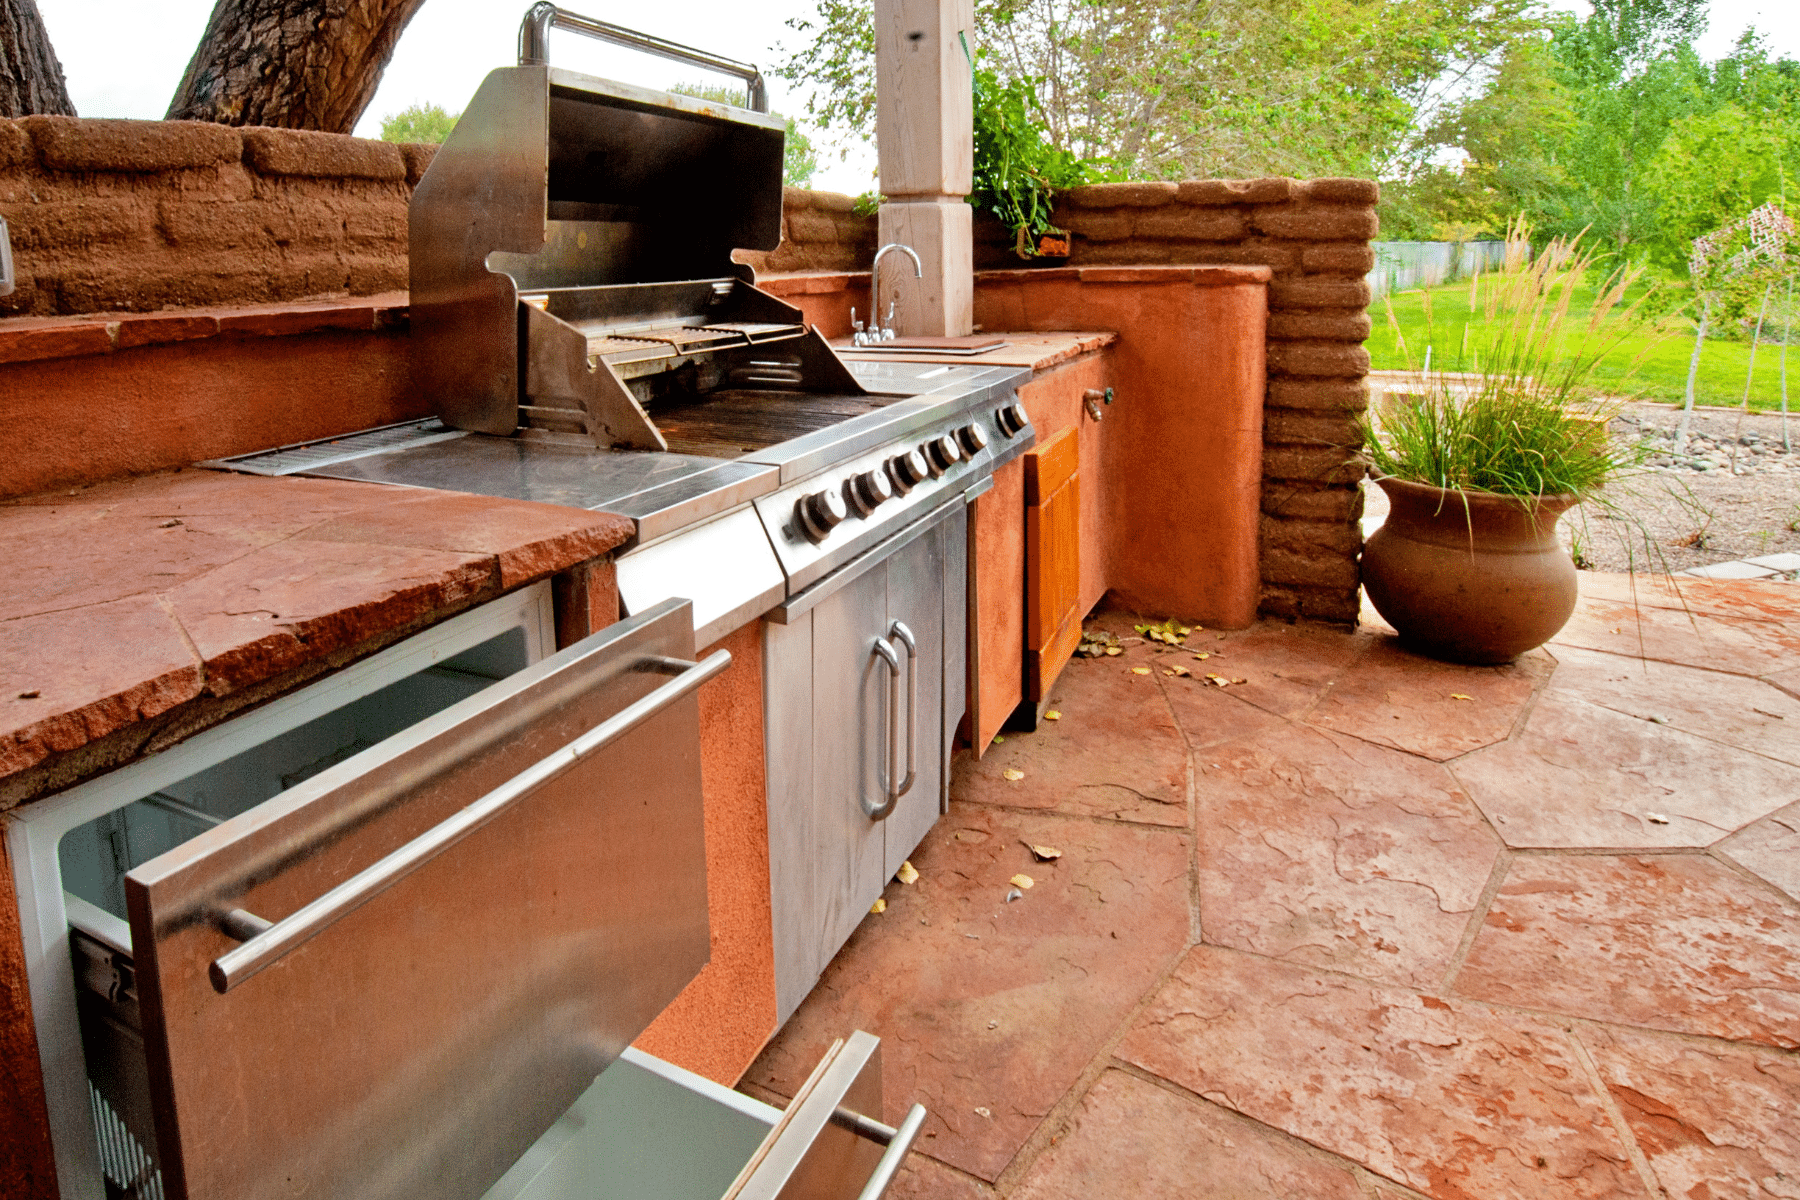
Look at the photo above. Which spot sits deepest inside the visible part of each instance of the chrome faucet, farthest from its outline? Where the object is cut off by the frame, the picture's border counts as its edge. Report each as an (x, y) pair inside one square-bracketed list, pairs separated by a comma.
[(876, 332)]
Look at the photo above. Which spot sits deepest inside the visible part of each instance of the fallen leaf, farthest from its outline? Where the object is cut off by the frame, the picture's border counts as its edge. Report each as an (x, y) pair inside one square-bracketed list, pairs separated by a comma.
[(880, 906), (1175, 671), (1656, 818), (982, 1112), (1240, 681), (1044, 853), (1114, 651), (1460, 696), (1012, 774), (907, 872), (998, 738), (1202, 657), (1220, 680), (1015, 894), (1053, 715), (1023, 881), (993, 1024), (1140, 670)]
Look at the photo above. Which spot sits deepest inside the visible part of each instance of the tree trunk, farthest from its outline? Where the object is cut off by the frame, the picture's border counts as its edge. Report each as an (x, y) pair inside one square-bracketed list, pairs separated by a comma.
[(31, 80), (296, 64)]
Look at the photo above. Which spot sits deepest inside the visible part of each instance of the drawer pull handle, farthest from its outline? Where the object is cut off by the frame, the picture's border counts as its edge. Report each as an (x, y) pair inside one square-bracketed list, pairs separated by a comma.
[(900, 633), (269, 942), (890, 736), (899, 1141)]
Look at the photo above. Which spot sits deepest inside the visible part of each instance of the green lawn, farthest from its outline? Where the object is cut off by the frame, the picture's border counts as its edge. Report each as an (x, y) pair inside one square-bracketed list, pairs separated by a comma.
[(1663, 376)]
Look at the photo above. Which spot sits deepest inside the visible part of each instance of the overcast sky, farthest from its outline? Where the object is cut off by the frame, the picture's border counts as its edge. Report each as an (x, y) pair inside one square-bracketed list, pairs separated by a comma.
[(123, 58)]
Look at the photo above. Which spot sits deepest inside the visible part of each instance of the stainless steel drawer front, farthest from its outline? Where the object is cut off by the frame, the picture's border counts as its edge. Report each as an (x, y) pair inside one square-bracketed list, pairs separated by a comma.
[(479, 915)]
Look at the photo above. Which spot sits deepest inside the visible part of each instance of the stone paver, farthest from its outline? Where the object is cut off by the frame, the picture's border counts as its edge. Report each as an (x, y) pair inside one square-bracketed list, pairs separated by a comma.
[(1115, 752), (1679, 942), (982, 1004), (1435, 710), (1713, 1120), (1740, 712), (1446, 1097), (1322, 849), (1770, 848), (1291, 954), (1580, 775), (1171, 1147)]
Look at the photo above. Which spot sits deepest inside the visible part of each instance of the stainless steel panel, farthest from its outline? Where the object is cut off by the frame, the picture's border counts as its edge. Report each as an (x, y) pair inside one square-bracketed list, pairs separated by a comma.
[(801, 603), (919, 578), (425, 1040), (662, 492), (792, 811), (485, 192), (850, 698), (956, 641), (534, 46), (725, 567), (303, 457)]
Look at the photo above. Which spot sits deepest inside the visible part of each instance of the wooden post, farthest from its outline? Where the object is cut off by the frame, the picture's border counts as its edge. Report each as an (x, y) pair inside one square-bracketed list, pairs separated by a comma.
[(924, 119)]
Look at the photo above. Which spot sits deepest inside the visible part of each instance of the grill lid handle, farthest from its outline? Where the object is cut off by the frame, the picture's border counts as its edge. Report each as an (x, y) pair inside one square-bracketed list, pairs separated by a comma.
[(540, 18)]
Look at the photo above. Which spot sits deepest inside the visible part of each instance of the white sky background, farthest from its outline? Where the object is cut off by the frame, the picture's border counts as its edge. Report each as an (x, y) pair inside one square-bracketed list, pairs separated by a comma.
[(123, 58)]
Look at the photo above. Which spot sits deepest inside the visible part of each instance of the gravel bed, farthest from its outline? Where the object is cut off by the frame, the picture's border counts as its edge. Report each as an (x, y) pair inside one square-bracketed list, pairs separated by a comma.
[(1693, 507)]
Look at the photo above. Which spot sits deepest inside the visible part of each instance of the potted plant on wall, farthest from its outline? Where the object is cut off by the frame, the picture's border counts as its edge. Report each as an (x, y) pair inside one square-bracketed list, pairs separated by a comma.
[(1480, 466), (1018, 170)]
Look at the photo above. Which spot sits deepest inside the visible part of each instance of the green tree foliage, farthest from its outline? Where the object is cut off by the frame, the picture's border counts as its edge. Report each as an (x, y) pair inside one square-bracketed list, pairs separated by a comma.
[(800, 162), (1184, 88), (420, 123)]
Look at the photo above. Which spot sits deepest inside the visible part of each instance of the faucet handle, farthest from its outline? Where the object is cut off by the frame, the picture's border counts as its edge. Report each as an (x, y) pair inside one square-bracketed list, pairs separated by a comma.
[(860, 339), (887, 332)]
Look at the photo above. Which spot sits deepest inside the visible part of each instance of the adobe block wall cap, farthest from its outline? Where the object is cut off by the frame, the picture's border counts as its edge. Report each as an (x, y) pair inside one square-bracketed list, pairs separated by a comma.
[(130, 147), (322, 155)]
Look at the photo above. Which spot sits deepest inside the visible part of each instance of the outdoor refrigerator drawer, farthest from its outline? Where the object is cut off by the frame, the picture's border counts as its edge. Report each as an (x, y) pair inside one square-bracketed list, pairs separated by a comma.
[(648, 1130), (392, 977)]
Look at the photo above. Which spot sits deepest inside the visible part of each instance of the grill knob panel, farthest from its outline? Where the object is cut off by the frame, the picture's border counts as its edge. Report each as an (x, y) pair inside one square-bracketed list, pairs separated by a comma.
[(907, 471), (941, 454), (868, 490), (1012, 420), (820, 513), (973, 439)]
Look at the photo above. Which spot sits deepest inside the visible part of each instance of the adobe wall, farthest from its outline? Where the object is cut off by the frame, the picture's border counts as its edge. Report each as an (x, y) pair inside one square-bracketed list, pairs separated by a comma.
[(137, 216)]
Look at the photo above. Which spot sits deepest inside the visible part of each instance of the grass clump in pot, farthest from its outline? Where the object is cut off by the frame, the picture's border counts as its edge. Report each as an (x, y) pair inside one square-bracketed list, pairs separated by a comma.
[(1516, 412)]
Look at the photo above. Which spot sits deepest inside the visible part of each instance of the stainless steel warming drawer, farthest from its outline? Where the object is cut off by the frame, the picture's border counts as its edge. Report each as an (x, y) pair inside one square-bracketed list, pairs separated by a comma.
[(391, 935)]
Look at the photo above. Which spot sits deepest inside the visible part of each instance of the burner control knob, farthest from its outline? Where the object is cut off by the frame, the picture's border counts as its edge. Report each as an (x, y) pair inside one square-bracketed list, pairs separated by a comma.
[(866, 491), (820, 513), (907, 471), (941, 454), (973, 439), (1012, 420)]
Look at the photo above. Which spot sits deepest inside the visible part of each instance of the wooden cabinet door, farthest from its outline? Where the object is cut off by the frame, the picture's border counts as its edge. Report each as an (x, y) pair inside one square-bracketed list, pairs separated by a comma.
[(1052, 561)]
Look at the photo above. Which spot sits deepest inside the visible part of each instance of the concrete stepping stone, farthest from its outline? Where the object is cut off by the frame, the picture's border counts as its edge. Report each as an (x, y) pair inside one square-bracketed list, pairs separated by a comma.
[(1677, 942)]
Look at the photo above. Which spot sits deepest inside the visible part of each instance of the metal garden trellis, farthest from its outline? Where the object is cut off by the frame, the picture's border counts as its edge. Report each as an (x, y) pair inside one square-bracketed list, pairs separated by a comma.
[(1760, 242)]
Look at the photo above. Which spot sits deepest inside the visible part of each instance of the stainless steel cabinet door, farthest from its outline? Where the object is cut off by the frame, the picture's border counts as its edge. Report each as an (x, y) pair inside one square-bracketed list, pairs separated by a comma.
[(472, 919), (852, 721), (917, 579)]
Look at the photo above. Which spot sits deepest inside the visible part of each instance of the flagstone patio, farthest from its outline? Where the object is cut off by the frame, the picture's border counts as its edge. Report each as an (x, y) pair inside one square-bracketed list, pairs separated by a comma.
[(1357, 924)]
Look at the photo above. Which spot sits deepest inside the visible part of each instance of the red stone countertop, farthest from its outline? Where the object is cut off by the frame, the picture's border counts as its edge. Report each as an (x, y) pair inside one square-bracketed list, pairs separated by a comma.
[(1039, 351), (134, 613)]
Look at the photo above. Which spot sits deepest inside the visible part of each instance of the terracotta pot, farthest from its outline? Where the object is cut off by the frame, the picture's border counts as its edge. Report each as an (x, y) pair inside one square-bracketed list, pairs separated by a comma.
[(1470, 577)]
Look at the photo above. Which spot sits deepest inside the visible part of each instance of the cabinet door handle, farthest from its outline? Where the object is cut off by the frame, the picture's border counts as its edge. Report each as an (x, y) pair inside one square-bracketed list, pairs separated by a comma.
[(890, 748), (268, 941), (900, 633)]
